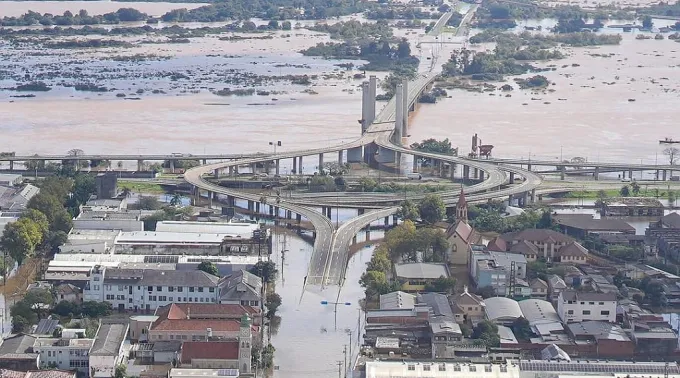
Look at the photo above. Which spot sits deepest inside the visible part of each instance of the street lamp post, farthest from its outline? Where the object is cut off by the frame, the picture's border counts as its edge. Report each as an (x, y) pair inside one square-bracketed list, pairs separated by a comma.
[(335, 309)]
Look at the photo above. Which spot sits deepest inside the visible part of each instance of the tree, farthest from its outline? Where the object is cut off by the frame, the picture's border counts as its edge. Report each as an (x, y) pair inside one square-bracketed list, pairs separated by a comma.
[(209, 267), (285, 25), (486, 292), (442, 285), (489, 221), (24, 310), (635, 188), (265, 270), (672, 197), (19, 239), (273, 303), (380, 262), (47, 204), (403, 48), (487, 332), (121, 371), (148, 203), (126, 192), (375, 283), (647, 22), (39, 219), (62, 221), (67, 308), (95, 309), (673, 153), (409, 211), (19, 324), (435, 146), (431, 209), (625, 191), (521, 328)]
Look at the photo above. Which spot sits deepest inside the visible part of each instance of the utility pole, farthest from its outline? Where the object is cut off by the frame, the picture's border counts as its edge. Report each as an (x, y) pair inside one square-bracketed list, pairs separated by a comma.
[(339, 369), (344, 352)]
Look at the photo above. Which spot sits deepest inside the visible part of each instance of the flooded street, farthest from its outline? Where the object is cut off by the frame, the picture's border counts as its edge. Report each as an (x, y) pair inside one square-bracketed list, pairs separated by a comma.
[(309, 342)]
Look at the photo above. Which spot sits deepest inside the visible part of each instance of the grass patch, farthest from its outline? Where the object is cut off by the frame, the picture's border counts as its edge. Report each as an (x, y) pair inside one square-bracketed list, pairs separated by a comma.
[(142, 187), (593, 194)]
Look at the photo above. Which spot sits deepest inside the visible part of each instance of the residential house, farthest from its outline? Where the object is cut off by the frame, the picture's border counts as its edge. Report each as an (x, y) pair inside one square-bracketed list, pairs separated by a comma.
[(68, 292), (584, 225), (574, 306), (139, 327), (490, 268), (107, 351), (445, 332), (397, 300), (549, 245), (221, 354), (241, 287), (555, 285), (633, 207), (609, 340), (16, 353), (175, 323), (148, 289), (467, 306), (221, 311), (655, 343), (461, 235), (415, 276), (539, 288), (166, 351), (64, 354)]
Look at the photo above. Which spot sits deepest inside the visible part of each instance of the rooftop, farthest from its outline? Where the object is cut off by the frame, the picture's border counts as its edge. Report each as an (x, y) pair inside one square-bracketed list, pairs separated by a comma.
[(671, 220), (243, 230), (501, 308), (421, 270), (177, 311), (397, 300), (109, 339), (19, 346), (200, 373), (537, 235), (209, 350), (74, 343), (5, 373), (588, 223), (572, 295), (598, 330)]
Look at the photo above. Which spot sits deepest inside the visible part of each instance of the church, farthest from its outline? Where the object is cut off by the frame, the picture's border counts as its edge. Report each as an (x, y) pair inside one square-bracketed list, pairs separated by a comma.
[(461, 235)]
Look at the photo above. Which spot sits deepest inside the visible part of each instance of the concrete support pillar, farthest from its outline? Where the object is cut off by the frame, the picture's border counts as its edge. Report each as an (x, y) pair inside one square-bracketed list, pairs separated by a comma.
[(452, 171), (562, 173), (663, 175), (289, 214), (210, 199), (512, 177), (624, 174), (271, 210), (596, 175), (476, 173), (298, 218), (205, 161), (360, 211), (529, 167), (340, 153), (276, 211), (533, 195), (172, 166), (365, 106), (395, 219), (140, 166), (368, 234), (11, 165), (294, 166), (441, 168), (300, 165), (404, 127), (231, 171), (253, 167), (466, 172), (257, 207), (236, 169), (373, 91), (355, 155), (397, 161), (320, 163), (387, 221), (415, 163), (399, 113), (231, 201), (354, 239), (196, 196), (216, 173), (277, 163), (510, 200), (630, 174), (525, 197), (251, 205)]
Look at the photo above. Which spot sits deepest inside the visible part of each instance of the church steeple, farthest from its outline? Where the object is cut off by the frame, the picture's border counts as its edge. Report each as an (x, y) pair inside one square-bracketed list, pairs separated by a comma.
[(461, 207)]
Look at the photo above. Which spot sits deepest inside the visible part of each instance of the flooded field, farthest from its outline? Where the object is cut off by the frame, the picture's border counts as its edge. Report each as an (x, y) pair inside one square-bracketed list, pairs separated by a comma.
[(17, 8)]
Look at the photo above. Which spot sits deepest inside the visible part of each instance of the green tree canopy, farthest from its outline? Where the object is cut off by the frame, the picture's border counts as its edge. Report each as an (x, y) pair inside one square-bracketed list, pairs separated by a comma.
[(20, 238), (521, 328), (432, 209), (266, 270), (273, 303), (435, 146), (409, 211), (209, 267), (487, 332)]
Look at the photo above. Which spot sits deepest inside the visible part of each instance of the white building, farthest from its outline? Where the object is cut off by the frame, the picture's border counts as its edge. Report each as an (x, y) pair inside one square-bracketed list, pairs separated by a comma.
[(65, 354), (573, 306), (107, 351), (148, 289)]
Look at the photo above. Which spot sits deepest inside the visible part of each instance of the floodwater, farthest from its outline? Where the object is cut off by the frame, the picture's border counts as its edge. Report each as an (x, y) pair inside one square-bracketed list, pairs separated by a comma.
[(310, 339), (614, 104), (17, 8)]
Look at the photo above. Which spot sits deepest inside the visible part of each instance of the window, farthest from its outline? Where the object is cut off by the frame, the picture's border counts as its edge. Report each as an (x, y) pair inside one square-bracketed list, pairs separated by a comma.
[(442, 367), (170, 299), (426, 367), (605, 313), (196, 299), (591, 303), (129, 300), (150, 289), (504, 368), (120, 287), (411, 367), (570, 312), (473, 368), (212, 299), (487, 368), (96, 287), (570, 302), (190, 299), (201, 299), (107, 287), (159, 288), (162, 298), (96, 278), (171, 288), (179, 289), (601, 303), (200, 289), (191, 289), (172, 337), (469, 308), (212, 290), (586, 312)]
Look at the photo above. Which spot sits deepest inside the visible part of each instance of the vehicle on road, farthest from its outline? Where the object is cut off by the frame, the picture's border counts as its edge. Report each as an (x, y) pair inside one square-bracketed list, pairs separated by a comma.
[(414, 176)]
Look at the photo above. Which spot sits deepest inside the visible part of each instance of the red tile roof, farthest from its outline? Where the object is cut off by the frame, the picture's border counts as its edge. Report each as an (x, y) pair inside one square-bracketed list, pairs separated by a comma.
[(219, 325), (209, 350), (176, 311)]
